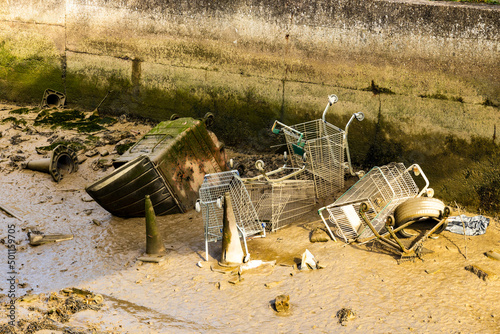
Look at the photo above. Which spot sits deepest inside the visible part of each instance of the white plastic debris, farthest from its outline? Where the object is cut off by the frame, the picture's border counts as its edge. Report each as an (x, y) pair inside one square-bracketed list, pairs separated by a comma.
[(308, 261)]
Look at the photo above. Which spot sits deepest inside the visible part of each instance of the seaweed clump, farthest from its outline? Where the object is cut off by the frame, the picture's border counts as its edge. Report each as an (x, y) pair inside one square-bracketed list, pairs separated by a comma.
[(73, 119)]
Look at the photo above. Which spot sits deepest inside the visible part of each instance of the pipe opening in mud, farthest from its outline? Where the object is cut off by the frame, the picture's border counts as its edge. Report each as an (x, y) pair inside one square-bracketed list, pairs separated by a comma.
[(53, 100)]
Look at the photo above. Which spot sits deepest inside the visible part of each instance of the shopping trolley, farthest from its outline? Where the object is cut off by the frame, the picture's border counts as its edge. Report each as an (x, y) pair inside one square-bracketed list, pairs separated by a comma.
[(210, 205), (377, 194), (325, 146), (280, 200)]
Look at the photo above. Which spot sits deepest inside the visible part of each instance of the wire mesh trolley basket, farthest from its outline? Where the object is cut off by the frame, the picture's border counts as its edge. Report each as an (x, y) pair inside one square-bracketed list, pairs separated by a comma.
[(324, 146), (211, 193), (279, 201), (382, 189)]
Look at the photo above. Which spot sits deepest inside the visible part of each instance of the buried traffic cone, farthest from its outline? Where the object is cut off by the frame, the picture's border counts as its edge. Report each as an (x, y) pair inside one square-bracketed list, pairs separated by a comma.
[(232, 253), (63, 160), (155, 251)]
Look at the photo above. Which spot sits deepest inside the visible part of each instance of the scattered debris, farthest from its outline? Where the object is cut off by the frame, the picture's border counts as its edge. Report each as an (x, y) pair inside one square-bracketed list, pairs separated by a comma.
[(432, 272), (344, 315), (164, 162), (493, 254), (96, 222), (62, 160), (50, 314), (282, 303), (468, 225), (264, 266), (37, 238), (309, 262), (217, 267), (91, 153), (481, 273), (9, 212), (318, 235), (103, 164), (236, 280), (272, 284)]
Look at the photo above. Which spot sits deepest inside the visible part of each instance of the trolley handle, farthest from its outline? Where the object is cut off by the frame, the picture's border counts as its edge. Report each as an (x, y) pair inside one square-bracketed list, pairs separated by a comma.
[(275, 130), (331, 100), (359, 116), (417, 170)]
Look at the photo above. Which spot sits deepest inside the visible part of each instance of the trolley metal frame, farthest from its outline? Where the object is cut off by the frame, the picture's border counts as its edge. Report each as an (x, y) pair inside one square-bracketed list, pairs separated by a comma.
[(325, 147), (382, 189), (278, 201), (211, 204)]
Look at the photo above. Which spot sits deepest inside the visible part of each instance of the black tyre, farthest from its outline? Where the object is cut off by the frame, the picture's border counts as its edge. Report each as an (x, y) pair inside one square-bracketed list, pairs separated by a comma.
[(416, 209)]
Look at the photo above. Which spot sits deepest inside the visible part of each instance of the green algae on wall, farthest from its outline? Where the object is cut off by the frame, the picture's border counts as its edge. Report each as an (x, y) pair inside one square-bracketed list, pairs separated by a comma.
[(30, 62)]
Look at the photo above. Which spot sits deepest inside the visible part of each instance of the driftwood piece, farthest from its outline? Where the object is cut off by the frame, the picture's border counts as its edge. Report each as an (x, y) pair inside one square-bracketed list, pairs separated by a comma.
[(493, 254), (481, 273), (9, 212)]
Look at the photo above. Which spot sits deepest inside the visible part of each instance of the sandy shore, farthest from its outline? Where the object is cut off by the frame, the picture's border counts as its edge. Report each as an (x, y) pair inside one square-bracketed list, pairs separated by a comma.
[(432, 295)]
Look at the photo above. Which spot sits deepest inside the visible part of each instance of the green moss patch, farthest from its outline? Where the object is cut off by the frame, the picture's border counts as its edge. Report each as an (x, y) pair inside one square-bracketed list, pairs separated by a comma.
[(73, 119), (14, 120), (22, 111), (120, 149), (74, 145)]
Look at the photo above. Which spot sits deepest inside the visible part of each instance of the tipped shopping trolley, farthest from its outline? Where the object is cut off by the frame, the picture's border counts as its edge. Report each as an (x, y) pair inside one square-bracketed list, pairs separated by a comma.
[(324, 145), (210, 205), (362, 211), (278, 196)]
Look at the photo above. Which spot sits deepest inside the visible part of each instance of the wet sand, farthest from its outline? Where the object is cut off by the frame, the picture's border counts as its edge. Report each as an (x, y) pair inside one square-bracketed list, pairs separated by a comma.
[(429, 296)]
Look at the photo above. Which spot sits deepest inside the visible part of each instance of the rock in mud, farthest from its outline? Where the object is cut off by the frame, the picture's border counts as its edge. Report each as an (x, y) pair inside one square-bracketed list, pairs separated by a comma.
[(282, 303), (344, 315), (17, 158), (91, 153), (318, 235)]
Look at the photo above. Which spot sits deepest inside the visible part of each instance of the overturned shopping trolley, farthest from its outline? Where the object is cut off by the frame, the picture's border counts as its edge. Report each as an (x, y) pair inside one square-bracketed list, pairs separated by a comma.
[(210, 204), (325, 146), (377, 193), (280, 200)]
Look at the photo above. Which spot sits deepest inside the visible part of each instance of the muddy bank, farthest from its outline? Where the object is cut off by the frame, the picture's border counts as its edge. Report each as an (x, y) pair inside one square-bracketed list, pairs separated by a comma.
[(177, 295)]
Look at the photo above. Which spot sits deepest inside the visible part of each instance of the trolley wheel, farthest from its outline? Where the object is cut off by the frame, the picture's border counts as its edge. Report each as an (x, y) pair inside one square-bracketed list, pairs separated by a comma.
[(197, 206), (259, 164), (390, 221), (231, 163), (417, 208), (285, 157)]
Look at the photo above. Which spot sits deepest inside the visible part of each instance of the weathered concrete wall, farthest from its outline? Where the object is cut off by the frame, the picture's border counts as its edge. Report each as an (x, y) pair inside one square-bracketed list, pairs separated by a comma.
[(413, 48), (427, 69)]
